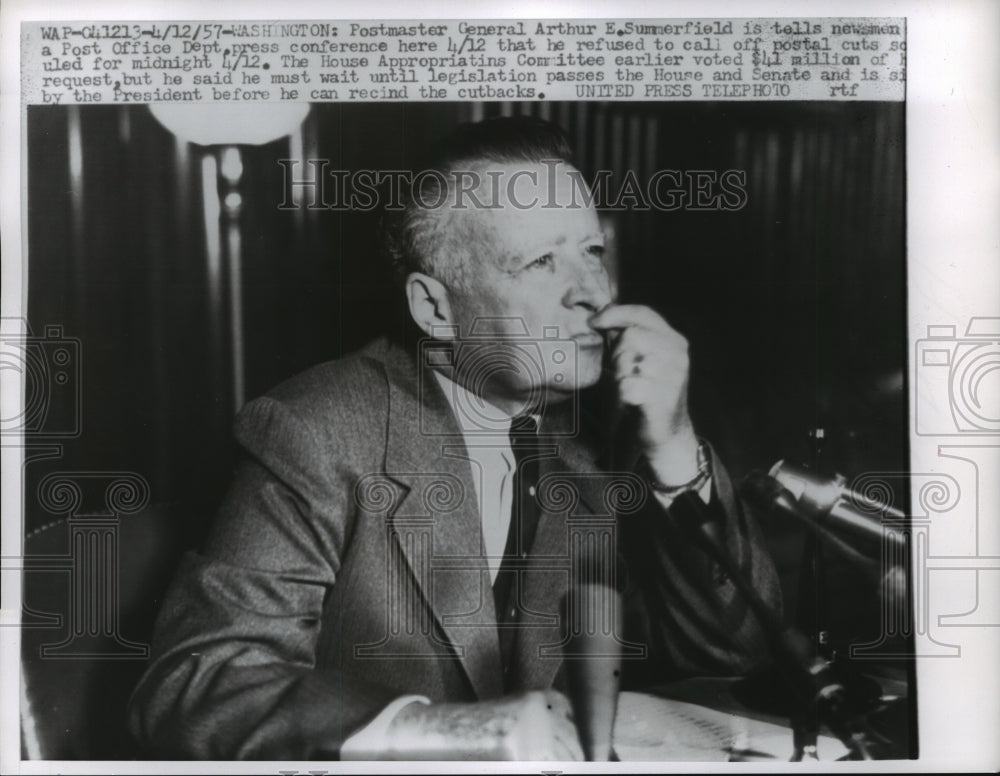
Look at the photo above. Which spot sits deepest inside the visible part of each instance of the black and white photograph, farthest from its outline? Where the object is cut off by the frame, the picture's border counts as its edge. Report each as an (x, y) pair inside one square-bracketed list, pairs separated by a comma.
[(563, 431)]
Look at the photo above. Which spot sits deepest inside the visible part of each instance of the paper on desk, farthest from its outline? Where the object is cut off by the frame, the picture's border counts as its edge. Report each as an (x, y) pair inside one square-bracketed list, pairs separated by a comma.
[(658, 729)]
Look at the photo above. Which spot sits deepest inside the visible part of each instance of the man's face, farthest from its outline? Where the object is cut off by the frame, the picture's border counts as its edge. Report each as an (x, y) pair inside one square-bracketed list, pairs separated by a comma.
[(534, 281)]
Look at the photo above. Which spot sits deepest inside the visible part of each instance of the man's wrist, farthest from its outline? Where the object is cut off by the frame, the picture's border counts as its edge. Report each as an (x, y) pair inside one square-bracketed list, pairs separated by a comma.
[(679, 464), (700, 482)]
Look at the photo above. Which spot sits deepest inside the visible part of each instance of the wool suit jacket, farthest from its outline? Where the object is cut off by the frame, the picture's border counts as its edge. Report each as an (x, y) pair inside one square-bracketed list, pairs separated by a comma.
[(345, 568)]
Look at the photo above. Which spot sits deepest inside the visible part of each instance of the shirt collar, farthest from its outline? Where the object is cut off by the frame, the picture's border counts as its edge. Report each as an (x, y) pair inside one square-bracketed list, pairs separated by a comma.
[(475, 416)]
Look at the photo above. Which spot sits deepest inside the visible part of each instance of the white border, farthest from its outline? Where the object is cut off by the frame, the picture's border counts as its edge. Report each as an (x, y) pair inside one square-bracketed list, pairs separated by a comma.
[(953, 157)]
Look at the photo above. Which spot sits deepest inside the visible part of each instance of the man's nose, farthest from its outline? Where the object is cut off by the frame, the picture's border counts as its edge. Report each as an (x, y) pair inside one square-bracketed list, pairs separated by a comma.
[(589, 288)]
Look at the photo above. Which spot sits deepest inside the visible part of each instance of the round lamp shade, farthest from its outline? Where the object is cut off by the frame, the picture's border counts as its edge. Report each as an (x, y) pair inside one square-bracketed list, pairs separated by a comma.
[(230, 123)]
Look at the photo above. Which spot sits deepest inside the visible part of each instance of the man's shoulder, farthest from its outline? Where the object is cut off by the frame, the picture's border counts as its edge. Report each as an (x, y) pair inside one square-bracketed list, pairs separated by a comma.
[(356, 384), (361, 368)]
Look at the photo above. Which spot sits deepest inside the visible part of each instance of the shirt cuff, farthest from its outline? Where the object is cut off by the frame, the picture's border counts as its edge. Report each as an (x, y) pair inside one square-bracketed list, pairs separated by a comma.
[(369, 742)]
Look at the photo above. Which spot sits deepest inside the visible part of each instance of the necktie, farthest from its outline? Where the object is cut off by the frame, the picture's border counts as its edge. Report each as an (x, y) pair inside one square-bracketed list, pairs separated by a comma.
[(520, 533)]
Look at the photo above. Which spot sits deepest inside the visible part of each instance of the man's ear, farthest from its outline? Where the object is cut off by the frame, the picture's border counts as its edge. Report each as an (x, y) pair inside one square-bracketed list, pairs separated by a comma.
[(429, 305)]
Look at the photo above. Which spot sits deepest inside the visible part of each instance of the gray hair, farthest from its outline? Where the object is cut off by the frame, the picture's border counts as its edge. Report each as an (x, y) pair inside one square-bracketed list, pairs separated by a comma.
[(426, 234)]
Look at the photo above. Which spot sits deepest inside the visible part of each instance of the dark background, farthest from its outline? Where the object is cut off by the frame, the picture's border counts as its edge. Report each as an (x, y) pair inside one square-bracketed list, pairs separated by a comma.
[(794, 305)]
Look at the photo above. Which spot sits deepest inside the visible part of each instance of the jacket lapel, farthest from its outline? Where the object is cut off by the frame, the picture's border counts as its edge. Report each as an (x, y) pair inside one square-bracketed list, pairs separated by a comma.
[(426, 456), (570, 489)]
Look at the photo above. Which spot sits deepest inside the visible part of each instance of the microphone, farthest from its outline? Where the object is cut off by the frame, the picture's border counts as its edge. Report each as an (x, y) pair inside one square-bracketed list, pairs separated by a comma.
[(834, 505), (826, 505), (825, 508), (593, 662)]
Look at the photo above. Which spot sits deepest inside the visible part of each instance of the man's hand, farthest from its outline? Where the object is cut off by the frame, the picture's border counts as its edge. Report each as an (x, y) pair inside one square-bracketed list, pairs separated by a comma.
[(532, 726), (650, 361)]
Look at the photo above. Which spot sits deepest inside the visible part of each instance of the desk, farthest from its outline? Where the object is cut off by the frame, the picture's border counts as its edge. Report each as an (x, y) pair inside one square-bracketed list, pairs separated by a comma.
[(705, 720)]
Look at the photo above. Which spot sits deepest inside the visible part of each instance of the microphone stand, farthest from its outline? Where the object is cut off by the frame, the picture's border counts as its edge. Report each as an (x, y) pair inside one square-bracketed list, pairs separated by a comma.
[(820, 693), (812, 588)]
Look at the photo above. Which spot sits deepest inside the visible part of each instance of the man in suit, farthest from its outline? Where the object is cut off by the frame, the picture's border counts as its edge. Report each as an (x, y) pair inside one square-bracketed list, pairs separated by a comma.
[(388, 574)]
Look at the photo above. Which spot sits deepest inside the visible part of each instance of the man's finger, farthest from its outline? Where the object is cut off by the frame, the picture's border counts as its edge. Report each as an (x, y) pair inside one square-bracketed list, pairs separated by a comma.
[(626, 315), (644, 345), (668, 367), (638, 390), (559, 704), (664, 373), (561, 750), (566, 741), (563, 729)]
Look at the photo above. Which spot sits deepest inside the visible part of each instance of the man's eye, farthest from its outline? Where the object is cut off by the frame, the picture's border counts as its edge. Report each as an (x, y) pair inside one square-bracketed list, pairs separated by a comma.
[(544, 260), (595, 250)]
